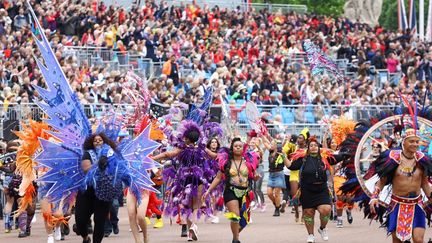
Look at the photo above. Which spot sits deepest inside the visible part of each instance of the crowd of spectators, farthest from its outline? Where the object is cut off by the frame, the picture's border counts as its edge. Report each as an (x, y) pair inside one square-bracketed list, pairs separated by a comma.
[(244, 55)]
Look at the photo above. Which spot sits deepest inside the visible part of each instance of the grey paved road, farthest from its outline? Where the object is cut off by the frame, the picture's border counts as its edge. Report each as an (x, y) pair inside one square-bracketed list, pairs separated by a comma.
[(264, 229)]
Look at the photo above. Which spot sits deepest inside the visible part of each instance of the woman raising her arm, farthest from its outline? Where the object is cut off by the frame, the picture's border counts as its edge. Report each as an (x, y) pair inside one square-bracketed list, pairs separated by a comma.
[(237, 169)]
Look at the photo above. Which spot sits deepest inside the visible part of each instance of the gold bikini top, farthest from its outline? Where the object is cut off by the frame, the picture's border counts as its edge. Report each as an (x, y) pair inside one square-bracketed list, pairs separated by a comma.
[(243, 172)]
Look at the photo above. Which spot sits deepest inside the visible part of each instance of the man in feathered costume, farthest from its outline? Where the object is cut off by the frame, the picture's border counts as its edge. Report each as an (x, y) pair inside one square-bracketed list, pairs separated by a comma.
[(407, 170)]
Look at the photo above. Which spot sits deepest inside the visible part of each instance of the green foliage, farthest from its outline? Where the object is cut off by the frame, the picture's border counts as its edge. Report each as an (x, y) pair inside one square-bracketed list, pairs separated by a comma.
[(389, 18), (328, 7)]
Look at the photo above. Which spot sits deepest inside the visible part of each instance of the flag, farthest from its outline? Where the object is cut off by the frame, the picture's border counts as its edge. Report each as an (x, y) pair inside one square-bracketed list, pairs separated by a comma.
[(412, 18), (402, 18)]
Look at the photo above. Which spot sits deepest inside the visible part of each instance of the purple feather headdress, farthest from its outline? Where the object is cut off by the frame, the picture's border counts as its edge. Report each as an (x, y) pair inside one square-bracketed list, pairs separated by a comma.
[(186, 127)]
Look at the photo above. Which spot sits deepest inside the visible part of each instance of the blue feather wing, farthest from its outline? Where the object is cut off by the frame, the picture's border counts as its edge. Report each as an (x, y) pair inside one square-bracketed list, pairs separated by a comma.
[(198, 114), (64, 172), (58, 101), (136, 153)]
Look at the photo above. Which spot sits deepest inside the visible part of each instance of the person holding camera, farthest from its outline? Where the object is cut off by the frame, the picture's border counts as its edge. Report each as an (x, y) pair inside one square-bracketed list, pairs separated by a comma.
[(276, 183)]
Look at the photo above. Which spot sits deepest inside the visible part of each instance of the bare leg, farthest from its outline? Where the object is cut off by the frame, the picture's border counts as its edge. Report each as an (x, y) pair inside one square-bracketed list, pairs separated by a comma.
[(137, 215), (395, 239), (270, 194), (294, 189), (46, 208), (196, 203), (234, 207), (277, 196), (418, 235), (324, 211), (308, 216)]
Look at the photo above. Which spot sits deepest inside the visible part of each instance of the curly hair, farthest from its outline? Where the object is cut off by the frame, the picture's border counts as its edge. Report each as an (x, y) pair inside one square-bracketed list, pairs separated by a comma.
[(88, 144)]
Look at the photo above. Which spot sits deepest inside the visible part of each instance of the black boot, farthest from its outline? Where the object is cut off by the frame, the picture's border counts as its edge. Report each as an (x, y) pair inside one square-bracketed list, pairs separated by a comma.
[(236, 241), (184, 230), (276, 212)]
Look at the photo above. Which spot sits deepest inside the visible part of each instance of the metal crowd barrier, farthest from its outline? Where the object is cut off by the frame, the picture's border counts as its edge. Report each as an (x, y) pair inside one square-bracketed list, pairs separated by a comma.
[(293, 118), (244, 5)]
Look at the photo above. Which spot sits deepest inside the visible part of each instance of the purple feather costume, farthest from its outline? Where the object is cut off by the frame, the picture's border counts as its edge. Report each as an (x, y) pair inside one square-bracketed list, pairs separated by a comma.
[(191, 168)]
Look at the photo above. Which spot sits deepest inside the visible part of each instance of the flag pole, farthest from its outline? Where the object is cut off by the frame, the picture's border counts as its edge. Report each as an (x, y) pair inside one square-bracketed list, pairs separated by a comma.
[(421, 20)]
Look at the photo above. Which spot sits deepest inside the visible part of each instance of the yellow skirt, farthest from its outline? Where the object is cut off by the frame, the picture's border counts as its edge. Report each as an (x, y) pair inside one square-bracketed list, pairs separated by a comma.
[(294, 175)]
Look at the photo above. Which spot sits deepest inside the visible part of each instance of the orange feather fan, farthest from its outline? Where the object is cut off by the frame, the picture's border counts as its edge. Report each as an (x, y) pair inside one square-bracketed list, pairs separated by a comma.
[(29, 135), (340, 128)]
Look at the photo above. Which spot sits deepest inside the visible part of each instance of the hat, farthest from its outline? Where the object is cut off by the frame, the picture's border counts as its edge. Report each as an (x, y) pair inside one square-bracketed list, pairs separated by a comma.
[(240, 87), (253, 94), (305, 133)]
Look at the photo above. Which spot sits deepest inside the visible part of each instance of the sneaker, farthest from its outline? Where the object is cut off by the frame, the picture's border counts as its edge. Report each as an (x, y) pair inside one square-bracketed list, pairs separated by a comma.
[(50, 239), (339, 223), (139, 229), (189, 237), (22, 234), (282, 207), (263, 207), (57, 233), (147, 219), (349, 217), (323, 233), (310, 239), (193, 232), (184, 231), (158, 224), (107, 234), (215, 220), (7, 231)]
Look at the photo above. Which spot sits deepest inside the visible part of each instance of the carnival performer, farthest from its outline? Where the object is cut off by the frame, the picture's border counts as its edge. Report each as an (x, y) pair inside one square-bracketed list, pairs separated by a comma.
[(314, 194), (98, 149), (193, 175), (276, 181), (192, 167), (155, 202), (11, 187), (52, 215), (407, 171), (8, 166), (254, 145), (78, 157), (141, 199), (301, 145), (237, 170), (212, 148)]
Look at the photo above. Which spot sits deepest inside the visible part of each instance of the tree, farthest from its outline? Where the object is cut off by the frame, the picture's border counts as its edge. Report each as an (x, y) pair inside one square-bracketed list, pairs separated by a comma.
[(328, 7)]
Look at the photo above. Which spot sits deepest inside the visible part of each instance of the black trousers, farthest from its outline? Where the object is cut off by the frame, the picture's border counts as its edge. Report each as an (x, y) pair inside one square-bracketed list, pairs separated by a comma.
[(86, 205)]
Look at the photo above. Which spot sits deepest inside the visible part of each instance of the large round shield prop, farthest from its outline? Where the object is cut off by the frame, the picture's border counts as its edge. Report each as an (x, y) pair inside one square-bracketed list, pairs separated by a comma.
[(362, 161)]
